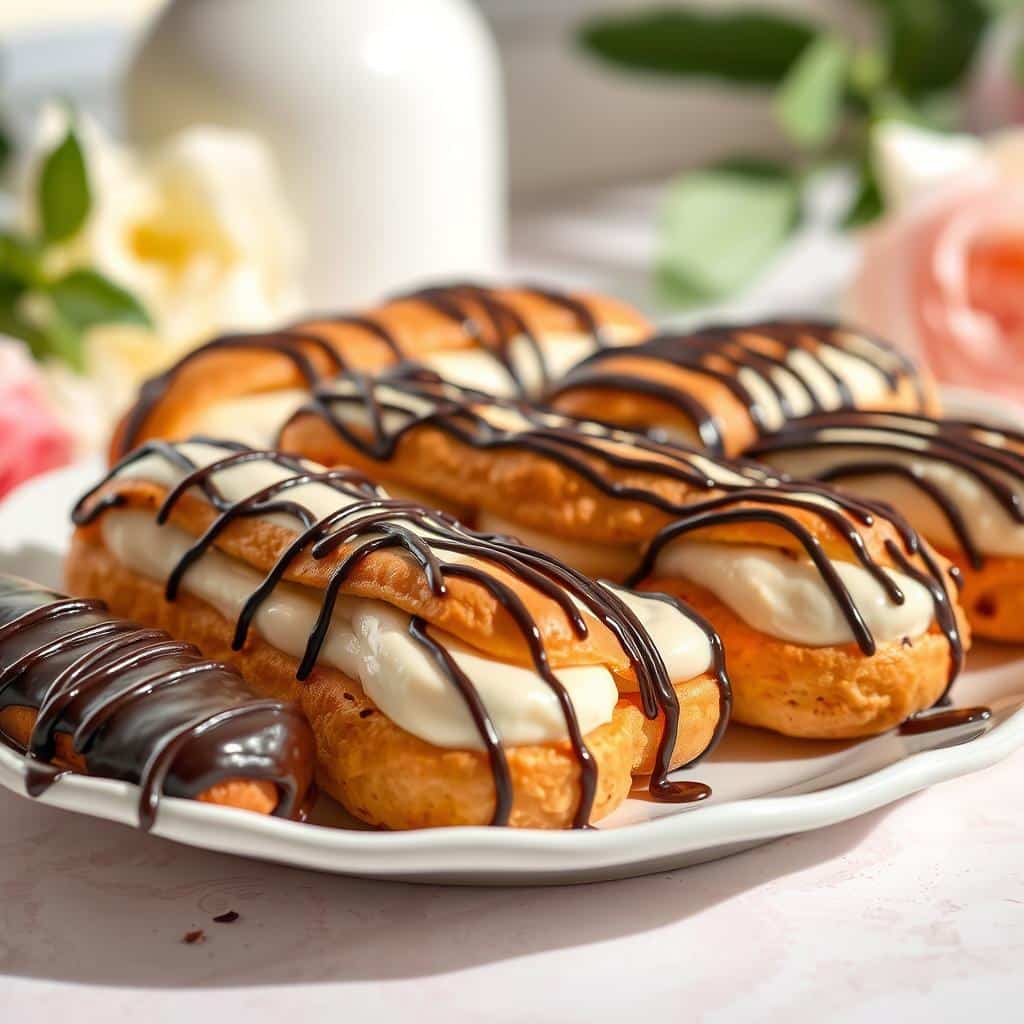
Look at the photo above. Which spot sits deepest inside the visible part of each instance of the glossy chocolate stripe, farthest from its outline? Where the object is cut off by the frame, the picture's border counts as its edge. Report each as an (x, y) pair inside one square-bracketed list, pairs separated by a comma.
[(124, 693)]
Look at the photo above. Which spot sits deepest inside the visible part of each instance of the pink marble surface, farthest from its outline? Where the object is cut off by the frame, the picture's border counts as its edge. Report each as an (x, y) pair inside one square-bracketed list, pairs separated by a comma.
[(911, 913)]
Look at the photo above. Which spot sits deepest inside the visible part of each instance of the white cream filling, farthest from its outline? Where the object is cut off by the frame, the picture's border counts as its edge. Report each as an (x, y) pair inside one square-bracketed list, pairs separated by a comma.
[(369, 641), (478, 368), (866, 383), (254, 420), (769, 591), (787, 598), (991, 527)]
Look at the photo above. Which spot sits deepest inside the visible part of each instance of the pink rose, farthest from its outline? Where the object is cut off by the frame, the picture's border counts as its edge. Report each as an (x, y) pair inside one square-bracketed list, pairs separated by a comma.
[(32, 438), (942, 275)]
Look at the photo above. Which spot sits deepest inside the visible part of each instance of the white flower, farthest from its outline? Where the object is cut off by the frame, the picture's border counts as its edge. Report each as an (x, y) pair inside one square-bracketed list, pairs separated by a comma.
[(196, 229)]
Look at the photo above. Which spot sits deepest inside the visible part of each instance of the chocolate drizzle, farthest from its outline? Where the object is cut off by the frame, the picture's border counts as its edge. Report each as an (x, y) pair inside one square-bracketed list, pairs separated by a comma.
[(503, 322), (884, 437), (139, 706), (412, 398), (727, 354), (368, 521), (503, 325), (950, 718)]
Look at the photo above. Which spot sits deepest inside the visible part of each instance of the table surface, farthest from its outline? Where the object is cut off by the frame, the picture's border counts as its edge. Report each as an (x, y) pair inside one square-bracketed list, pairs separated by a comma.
[(913, 913)]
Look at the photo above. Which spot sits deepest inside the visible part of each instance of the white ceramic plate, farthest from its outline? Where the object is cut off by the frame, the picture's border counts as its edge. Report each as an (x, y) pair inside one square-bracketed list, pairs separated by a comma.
[(765, 786)]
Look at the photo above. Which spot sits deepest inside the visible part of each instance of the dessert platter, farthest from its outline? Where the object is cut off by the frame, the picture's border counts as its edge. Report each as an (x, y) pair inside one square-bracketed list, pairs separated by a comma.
[(499, 585)]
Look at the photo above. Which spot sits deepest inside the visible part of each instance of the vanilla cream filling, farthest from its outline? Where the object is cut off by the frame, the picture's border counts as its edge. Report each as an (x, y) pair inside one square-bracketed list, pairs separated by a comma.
[(788, 599), (478, 367), (992, 528), (368, 639), (771, 592), (256, 419)]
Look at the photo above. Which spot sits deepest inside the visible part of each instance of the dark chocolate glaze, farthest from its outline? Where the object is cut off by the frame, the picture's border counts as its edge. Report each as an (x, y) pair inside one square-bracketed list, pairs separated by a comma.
[(761, 497), (932, 721), (139, 706), (955, 443), (504, 321), (721, 353), (371, 522)]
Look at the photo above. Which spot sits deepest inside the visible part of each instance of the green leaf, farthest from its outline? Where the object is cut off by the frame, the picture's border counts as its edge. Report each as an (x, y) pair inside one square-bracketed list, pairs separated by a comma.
[(13, 323), (752, 47), (20, 259), (721, 225), (867, 203), (809, 101), (64, 340), (930, 43), (64, 197), (85, 298), (6, 147)]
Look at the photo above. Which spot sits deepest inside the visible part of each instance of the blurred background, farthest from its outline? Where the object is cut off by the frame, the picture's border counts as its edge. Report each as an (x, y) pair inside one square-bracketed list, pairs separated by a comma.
[(178, 168)]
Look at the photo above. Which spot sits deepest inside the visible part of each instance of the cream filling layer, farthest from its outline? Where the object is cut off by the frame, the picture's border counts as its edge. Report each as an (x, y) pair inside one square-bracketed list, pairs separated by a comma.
[(478, 367), (771, 592), (988, 523), (369, 642), (788, 599), (523, 707), (256, 419)]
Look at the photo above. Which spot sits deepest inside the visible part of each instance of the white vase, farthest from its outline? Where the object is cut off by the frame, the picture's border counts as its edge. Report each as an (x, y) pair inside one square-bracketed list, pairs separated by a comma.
[(385, 117)]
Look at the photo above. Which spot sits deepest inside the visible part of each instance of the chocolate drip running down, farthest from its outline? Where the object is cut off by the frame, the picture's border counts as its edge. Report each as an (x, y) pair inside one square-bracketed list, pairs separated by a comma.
[(720, 353), (881, 439), (410, 399), (139, 706), (368, 521), (504, 324)]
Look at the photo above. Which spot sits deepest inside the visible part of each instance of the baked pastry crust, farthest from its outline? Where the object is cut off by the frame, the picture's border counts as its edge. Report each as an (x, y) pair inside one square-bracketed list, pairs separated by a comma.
[(314, 350), (570, 484), (993, 596), (862, 453), (820, 692), (700, 387), (378, 771), (367, 760)]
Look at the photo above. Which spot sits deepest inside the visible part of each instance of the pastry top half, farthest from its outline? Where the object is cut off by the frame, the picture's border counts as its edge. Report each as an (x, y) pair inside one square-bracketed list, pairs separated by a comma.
[(130, 703), (509, 341), (724, 386), (457, 637), (801, 562), (960, 483)]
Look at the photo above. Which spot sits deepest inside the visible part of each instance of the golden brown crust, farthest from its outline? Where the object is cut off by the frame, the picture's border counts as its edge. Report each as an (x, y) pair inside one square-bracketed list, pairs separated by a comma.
[(215, 375), (993, 596), (631, 408), (699, 708), (820, 692), (467, 610), (540, 493), (637, 411), (380, 772), (258, 795), (420, 329)]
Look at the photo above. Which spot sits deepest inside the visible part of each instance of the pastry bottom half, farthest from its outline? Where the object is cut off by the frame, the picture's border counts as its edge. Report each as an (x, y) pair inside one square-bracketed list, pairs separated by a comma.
[(381, 773), (993, 596), (831, 692)]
